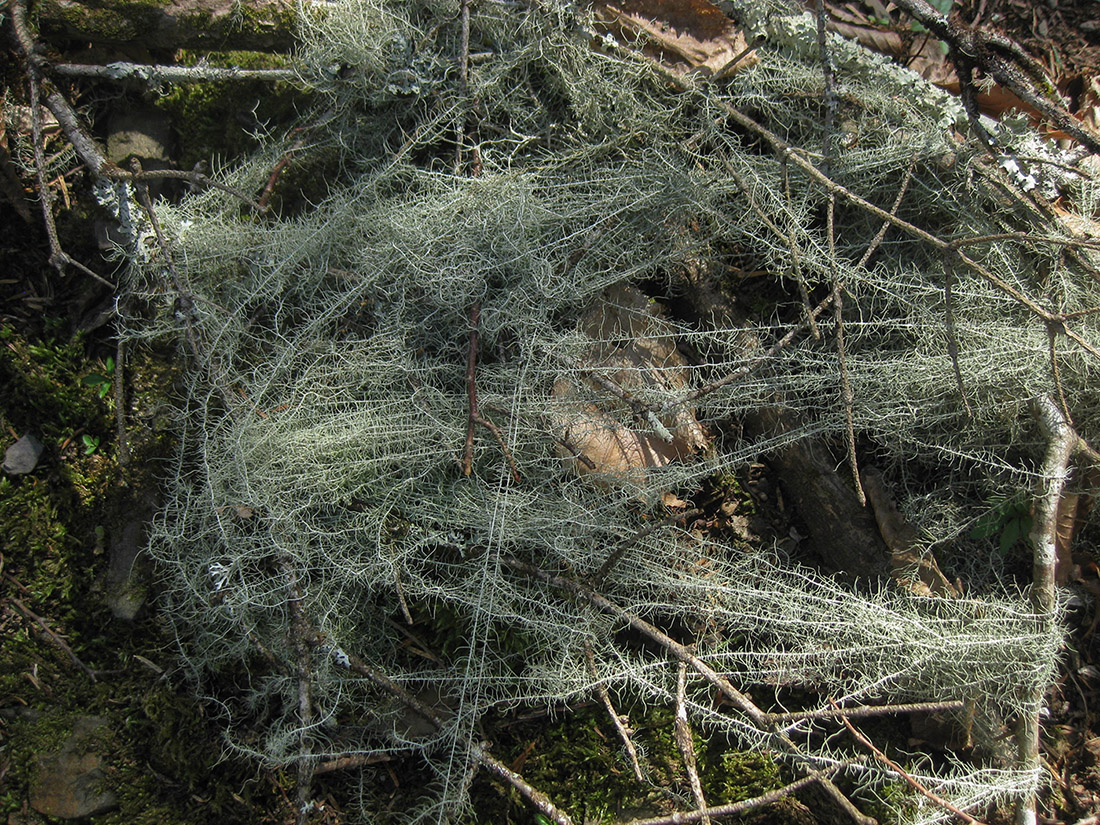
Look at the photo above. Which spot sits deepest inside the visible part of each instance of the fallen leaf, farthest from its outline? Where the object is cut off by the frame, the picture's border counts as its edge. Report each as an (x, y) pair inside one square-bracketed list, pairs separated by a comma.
[(686, 35)]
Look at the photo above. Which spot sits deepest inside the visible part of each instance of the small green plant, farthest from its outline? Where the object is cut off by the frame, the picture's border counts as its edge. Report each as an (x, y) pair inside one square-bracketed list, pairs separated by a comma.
[(101, 381), (91, 443), (1008, 518)]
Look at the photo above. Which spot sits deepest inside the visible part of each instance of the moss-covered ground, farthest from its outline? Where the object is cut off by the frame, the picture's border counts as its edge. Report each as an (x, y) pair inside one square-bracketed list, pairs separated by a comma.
[(164, 756)]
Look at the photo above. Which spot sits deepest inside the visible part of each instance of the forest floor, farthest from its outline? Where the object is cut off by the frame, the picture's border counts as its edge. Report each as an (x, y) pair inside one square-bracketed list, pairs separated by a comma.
[(80, 635)]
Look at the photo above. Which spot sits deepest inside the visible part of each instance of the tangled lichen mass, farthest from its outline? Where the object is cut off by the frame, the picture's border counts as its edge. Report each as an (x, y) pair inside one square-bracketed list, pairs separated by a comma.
[(319, 501)]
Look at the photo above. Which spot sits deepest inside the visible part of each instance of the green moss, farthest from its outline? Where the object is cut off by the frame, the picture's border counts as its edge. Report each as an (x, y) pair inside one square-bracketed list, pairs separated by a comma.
[(121, 23), (222, 119)]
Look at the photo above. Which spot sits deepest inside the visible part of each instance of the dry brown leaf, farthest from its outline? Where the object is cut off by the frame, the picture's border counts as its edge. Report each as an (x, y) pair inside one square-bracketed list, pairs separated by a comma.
[(634, 349), (687, 35)]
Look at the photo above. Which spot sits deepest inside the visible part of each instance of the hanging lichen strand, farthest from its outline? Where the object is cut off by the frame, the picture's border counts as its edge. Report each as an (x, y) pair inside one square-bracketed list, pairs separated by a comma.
[(321, 501)]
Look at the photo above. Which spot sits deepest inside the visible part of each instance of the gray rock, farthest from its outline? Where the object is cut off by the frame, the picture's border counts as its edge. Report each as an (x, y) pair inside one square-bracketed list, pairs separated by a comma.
[(69, 783), (22, 456)]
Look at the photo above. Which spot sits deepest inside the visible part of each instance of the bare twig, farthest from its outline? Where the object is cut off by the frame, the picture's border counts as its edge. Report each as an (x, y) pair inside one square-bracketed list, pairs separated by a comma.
[(847, 395), (623, 731), (949, 327), (463, 82), (53, 636), (277, 170), (355, 760), (155, 75), (913, 783), (682, 734), (1006, 62), (867, 710)]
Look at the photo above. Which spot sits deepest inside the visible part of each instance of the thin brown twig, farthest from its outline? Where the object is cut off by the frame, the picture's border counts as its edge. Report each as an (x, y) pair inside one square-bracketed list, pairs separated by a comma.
[(475, 416), (847, 395), (867, 710), (276, 171), (620, 726), (53, 636), (616, 554), (1056, 372), (684, 741), (949, 327), (913, 783), (737, 808)]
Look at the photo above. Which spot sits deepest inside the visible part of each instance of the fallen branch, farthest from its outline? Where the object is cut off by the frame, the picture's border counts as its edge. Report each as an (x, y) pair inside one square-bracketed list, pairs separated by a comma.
[(157, 75), (300, 635), (1062, 441), (867, 710)]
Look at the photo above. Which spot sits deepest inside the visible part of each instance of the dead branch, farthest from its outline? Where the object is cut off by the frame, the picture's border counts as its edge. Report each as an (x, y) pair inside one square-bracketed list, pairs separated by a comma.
[(737, 808), (1062, 441), (154, 75), (682, 734), (300, 635), (682, 653), (913, 783), (1006, 62), (623, 731), (344, 763)]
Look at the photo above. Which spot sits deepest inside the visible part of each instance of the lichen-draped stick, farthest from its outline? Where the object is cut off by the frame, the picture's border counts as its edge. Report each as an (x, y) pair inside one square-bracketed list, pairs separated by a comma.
[(475, 416), (791, 154), (761, 722)]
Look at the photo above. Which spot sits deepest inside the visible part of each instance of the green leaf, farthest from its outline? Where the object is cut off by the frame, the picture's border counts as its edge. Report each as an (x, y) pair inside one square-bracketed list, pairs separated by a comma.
[(95, 380), (1010, 535)]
